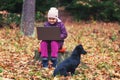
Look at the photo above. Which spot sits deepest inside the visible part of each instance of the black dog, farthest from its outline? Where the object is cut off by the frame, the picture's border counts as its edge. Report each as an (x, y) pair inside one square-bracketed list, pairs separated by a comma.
[(71, 63)]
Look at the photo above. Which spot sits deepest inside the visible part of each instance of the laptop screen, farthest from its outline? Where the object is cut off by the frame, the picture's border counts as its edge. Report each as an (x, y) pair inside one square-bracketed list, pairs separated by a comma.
[(48, 33)]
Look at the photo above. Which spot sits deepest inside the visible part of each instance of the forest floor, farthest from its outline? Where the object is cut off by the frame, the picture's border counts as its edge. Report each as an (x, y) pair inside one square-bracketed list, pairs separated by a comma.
[(101, 41)]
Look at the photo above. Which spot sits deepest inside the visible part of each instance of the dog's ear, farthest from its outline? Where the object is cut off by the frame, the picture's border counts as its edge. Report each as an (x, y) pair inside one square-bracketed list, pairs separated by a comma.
[(79, 47)]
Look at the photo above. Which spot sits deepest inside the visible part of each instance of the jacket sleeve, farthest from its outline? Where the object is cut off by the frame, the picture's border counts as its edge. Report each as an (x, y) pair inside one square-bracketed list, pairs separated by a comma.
[(45, 24), (63, 31)]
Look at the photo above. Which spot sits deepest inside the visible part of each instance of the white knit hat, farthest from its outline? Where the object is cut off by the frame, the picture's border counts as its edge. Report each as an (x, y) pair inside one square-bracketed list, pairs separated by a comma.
[(53, 12)]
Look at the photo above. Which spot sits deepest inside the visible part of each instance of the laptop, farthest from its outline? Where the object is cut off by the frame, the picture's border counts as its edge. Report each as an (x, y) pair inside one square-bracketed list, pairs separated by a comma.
[(48, 33)]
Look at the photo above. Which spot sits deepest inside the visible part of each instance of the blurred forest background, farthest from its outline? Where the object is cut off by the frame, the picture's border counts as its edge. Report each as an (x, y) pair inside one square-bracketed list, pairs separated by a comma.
[(93, 23), (100, 10)]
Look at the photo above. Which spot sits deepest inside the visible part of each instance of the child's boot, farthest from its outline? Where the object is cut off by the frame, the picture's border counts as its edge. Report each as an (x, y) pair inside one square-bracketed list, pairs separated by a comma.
[(45, 62), (54, 62)]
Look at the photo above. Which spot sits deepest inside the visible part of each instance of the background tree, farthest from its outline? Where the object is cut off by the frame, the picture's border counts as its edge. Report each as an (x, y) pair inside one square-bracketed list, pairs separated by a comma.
[(100, 10), (13, 6), (28, 17)]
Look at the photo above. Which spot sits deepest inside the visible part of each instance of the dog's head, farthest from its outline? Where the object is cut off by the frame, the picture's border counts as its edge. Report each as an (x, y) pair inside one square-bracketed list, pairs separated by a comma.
[(79, 50)]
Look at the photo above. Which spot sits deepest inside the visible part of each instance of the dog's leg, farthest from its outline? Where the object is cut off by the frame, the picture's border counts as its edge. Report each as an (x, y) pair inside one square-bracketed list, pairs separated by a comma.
[(72, 71), (63, 72)]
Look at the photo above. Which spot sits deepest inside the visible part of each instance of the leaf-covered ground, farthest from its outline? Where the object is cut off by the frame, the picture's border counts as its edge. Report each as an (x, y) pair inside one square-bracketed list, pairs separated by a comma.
[(102, 62)]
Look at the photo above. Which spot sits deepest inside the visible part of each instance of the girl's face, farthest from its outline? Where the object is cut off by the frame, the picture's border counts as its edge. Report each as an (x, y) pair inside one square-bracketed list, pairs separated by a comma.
[(52, 20)]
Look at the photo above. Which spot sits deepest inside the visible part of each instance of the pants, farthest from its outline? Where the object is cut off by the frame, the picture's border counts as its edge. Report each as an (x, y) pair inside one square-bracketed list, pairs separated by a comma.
[(54, 46)]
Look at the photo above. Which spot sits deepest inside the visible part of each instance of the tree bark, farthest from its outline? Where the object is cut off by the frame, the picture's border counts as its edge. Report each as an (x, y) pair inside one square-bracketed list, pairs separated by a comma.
[(28, 17)]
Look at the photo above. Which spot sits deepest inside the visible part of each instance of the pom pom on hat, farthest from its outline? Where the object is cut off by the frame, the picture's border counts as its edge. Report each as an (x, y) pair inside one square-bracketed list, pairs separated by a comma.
[(53, 12)]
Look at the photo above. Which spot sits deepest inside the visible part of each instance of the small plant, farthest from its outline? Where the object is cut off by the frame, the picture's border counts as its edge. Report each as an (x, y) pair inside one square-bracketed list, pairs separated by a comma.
[(39, 16), (113, 37), (10, 19), (13, 18), (1, 70), (104, 65)]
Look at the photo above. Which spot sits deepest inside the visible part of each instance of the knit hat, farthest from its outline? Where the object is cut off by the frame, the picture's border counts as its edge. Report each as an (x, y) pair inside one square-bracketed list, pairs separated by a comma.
[(53, 12)]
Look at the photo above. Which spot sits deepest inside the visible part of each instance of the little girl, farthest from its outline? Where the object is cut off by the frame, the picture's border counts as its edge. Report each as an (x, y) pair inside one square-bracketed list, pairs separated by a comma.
[(54, 45)]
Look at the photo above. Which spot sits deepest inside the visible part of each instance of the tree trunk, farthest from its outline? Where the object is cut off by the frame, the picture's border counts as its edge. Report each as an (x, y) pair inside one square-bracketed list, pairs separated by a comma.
[(28, 17)]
